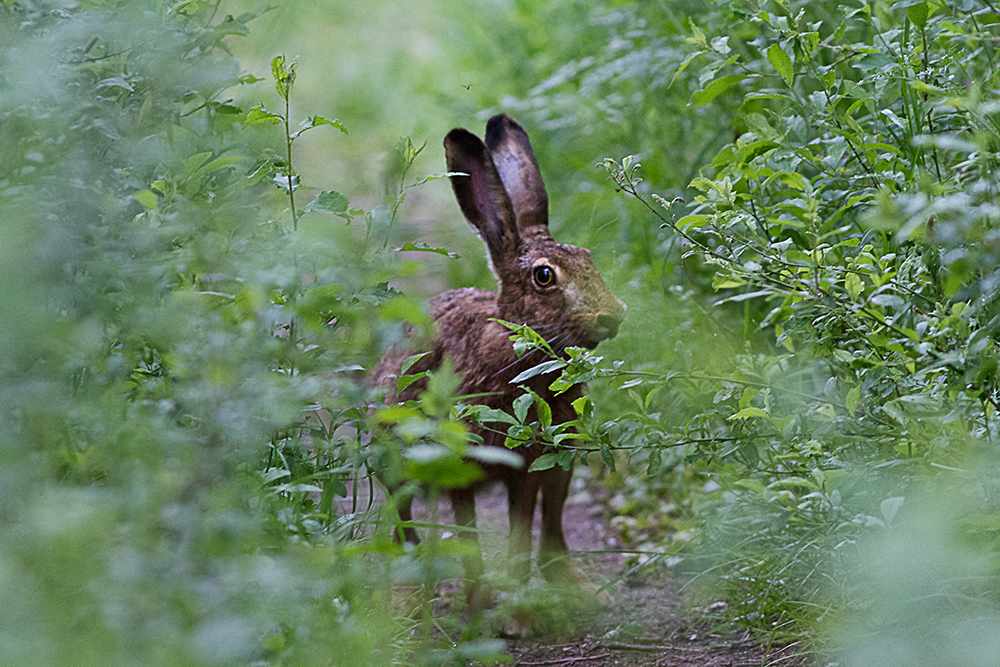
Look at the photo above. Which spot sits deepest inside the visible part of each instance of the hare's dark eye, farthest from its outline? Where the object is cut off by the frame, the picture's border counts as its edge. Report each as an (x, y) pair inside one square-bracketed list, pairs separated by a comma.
[(544, 276)]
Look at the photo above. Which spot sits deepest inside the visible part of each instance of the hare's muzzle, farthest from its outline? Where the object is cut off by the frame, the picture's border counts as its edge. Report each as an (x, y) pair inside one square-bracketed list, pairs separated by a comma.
[(607, 325), (609, 319)]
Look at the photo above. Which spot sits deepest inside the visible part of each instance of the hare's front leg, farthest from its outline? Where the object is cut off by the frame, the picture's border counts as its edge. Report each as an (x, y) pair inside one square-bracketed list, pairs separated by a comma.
[(463, 504), (552, 551), (522, 493)]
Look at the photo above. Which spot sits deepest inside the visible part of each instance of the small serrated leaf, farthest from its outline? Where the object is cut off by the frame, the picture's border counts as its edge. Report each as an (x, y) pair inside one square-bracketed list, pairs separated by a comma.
[(317, 121), (260, 115), (328, 201), (423, 247), (284, 77)]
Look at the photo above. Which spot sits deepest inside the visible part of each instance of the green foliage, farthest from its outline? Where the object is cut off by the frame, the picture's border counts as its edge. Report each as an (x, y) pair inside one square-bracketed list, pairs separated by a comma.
[(803, 400), (851, 220), (183, 426)]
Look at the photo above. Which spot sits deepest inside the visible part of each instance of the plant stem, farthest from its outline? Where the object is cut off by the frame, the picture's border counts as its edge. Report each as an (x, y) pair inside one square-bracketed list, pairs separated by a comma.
[(288, 169)]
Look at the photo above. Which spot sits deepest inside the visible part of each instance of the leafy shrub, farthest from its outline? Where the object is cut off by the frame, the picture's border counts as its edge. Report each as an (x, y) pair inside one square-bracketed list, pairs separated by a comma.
[(179, 355), (853, 218)]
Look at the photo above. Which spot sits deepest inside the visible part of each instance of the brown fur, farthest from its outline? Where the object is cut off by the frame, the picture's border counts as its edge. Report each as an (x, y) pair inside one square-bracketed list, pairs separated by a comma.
[(504, 199)]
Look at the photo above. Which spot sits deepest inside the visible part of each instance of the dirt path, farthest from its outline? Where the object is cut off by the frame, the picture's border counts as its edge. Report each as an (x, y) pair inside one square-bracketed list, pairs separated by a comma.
[(648, 620)]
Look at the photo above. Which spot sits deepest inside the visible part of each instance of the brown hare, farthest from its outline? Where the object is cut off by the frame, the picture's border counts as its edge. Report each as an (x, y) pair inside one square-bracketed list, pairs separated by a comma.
[(551, 287)]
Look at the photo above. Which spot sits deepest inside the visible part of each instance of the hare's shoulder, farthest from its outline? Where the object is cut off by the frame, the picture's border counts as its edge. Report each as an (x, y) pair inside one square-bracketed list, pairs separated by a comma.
[(477, 345)]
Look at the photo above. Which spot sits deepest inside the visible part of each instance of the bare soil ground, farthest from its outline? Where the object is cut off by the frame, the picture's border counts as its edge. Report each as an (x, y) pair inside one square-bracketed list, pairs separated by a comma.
[(648, 619)]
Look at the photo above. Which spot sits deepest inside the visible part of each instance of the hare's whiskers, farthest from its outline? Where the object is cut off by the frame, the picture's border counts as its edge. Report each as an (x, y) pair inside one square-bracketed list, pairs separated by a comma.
[(516, 361)]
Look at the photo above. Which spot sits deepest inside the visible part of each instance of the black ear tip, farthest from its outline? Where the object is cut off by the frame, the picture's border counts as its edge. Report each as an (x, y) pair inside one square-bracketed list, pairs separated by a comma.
[(500, 125), (460, 146), (496, 123), (461, 137)]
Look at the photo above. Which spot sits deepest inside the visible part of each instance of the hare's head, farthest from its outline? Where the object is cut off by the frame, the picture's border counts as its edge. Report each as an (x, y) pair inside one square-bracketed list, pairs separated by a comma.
[(553, 288)]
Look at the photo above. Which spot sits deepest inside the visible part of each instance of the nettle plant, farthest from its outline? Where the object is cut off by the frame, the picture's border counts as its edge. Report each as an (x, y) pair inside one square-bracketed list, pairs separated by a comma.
[(855, 220)]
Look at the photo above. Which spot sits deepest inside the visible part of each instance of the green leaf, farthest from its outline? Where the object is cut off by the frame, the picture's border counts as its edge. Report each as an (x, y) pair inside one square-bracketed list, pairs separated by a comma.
[(781, 62), (485, 415), (921, 87), (284, 77), (699, 36), (215, 165), (854, 285), (540, 369), (683, 66), (756, 149), (749, 393), (404, 381), (543, 462), (569, 436), (518, 436), (543, 410), (749, 452), (317, 121), (714, 89), (918, 14), (115, 82), (521, 405), (606, 455), (434, 177), (653, 462), (423, 247), (726, 282), (328, 201), (260, 115), (409, 361), (852, 400), (692, 220), (746, 413), (192, 163), (436, 464), (793, 180), (146, 198)]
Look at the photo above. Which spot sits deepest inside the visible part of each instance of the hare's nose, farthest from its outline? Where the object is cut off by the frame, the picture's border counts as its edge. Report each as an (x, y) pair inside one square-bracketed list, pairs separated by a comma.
[(609, 323)]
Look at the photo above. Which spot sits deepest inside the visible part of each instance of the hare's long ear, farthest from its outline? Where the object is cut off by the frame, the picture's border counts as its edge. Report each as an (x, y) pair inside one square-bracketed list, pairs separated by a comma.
[(518, 168), (482, 196)]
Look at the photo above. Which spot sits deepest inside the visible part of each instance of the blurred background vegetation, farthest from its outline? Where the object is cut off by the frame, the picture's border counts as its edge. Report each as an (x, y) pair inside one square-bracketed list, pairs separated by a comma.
[(805, 416)]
